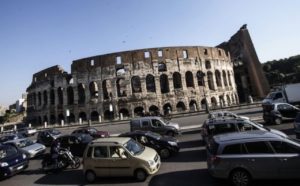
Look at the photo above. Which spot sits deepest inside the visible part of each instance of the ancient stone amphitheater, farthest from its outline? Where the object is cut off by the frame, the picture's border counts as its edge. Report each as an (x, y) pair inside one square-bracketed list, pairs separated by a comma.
[(132, 83)]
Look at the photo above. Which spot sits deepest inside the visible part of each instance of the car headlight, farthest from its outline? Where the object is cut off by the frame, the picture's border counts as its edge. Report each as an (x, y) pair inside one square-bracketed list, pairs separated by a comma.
[(151, 163), (172, 143), (3, 164), (24, 156)]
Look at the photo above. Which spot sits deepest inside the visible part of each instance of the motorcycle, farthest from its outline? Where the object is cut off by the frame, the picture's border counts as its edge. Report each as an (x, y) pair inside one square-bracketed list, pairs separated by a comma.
[(64, 160)]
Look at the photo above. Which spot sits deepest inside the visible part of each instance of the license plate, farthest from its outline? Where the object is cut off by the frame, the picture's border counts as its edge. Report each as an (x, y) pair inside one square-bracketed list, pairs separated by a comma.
[(20, 167)]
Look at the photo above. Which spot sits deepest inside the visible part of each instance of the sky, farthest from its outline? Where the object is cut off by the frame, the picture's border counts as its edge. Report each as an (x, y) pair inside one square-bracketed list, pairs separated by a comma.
[(36, 34)]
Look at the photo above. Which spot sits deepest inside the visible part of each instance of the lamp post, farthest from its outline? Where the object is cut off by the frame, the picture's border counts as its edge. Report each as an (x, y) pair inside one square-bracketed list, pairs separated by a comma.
[(201, 76)]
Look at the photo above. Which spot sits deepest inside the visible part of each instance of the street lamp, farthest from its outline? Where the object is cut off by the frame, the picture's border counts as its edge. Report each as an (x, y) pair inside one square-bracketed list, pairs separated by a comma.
[(201, 76)]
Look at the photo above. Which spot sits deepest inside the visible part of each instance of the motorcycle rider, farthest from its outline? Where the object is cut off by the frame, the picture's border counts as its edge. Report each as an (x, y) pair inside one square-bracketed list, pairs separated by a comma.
[(54, 151)]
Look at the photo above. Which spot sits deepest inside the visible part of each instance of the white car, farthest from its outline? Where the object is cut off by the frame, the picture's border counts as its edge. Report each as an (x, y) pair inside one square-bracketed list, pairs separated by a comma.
[(31, 148), (226, 114)]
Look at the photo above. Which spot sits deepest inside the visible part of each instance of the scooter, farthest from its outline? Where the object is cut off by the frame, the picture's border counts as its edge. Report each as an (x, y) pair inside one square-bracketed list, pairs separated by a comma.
[(65, 159)]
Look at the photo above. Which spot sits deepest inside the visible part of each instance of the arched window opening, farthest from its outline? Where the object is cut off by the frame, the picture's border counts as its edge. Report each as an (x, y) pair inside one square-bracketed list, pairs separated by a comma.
[(177, 80), (121, 87), (189, 79), (81, 93), (180, 107), (139, 111), (214, 102), (40, 98), (136, 84), (154, 110), (94, 116), (203, 104), (61, 118), (52, 97), (150, 83), (228, 100), (218, 78), (162, 67), (93, 90), (45, 97), (167, 108), (224, 78), (193, 106), (229, 78), (164, 84), (60, 96), (72, 118), (210, 81), (200, 78), (82, 116), (70, 94), (124, 112), (52, 119), (108, 115), (105, 89), (207, 64)]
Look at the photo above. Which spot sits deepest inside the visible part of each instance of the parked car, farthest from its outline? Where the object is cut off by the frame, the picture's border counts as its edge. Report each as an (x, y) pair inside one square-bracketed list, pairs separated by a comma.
[(25, 130), (226, 114), (217, 126), (31, 148), (12, 160), (47, 136), (91, 131), (119, 156), (297, 125), (154, 124), (164, 145), (277, 112), (75, 142), (11, 136), (241, 157)]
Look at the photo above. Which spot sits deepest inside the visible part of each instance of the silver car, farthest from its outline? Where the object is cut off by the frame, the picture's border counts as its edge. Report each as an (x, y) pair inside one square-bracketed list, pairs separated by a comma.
[(31, 148), (241, 157), (226, 114)]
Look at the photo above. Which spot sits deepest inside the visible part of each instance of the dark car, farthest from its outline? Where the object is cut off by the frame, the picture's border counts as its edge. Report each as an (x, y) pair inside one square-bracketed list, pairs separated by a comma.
[(12, 136), (164, 145), (75, 142), (277, 112), (92, 131), (12, 160), (46, 137)]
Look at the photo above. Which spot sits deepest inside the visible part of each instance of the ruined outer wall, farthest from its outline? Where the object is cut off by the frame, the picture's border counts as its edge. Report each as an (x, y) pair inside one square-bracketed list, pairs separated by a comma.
[(126, 84)]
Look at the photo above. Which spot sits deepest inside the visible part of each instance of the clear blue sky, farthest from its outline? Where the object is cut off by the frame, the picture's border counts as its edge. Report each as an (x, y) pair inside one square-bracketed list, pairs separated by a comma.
[(37, 34)]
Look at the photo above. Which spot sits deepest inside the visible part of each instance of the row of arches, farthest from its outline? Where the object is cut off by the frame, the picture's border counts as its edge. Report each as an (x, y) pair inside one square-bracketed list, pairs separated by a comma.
[(41, 98)]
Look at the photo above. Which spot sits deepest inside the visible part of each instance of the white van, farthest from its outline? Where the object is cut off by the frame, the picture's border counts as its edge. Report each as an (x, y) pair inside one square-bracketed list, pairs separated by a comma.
[(119, 156)]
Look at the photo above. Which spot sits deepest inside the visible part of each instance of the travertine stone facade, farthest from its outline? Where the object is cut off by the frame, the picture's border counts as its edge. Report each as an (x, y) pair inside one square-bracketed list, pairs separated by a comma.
[(128, 84)]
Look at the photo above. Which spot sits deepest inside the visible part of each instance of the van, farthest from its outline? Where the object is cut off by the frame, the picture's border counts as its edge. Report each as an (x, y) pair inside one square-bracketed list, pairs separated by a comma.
[(119, 156), (154, 124)]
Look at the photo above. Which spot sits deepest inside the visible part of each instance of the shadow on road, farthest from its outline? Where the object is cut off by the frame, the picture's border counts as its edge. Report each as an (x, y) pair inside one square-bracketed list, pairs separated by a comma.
[(188, 156), (191, 144)]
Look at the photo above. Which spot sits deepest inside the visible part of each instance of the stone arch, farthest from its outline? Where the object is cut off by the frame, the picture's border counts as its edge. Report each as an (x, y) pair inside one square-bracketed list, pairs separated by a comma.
[(52, 119), (108, 115), (177, 80), (124, 112), (45, 96), (45, 119), (207, 64), (228, 100), (72, 118), (189, 79), (154, 110), (150, 83), (162, 67), (106, 88), (39, 120), (136, 84), (224, 78), (180, 107), (167, 108), (70, 94), (237, 99), (81, 93), (39, 98), (60, 96), (193, 105), (121, 87), (52, 97), (210, 80), (214, 102), (200, 78), (222, 101), (232, 99), (229, 78), (93, 89), (139, 111), (60, 118), (164, 84), (94, 116), (218, 78), (34, 99), (82, 115)]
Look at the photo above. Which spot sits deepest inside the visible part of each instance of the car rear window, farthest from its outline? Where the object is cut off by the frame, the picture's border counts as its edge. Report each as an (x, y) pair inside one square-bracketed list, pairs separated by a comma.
[(234, 149), (224, 128)]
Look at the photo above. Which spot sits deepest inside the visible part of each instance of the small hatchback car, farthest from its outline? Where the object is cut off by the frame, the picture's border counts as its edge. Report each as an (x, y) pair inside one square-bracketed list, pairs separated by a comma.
[(119, 156), (241, 157)]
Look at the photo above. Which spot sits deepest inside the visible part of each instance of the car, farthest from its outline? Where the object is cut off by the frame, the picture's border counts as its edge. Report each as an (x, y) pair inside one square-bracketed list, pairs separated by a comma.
[(164, 145), (297, 125), (47, 136), (12, 160), (75, 142), (31, 148), (277, 112), (154, 124), (242, 157), (217, 126), (27, 131), (11, 136), (119, 156), (92, 131), (225, 114)]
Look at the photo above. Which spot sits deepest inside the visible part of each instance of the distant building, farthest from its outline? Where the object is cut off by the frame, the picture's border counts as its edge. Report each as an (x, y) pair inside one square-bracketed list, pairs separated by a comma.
[(2, 110)]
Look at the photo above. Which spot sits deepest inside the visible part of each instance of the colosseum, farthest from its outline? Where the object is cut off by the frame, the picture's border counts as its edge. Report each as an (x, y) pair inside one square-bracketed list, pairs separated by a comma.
[(128, 84)]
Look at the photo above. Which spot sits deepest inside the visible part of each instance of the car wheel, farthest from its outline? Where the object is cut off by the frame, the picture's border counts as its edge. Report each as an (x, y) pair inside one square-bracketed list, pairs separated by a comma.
[(90, 176), (240, 177), (164, 153), (277, 121), (140, 175)]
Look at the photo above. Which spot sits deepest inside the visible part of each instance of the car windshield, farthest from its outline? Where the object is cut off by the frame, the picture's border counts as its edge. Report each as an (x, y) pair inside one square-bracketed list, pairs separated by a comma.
[(153, 135), (271, 95), (133, 147), (25, 143), (92, 130), (7, 151)]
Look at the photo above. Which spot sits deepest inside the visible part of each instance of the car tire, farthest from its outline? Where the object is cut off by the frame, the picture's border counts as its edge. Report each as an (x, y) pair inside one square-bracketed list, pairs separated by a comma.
[(90, 176), (240, 177), (164, 153), (140, 175), (277, 121)]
